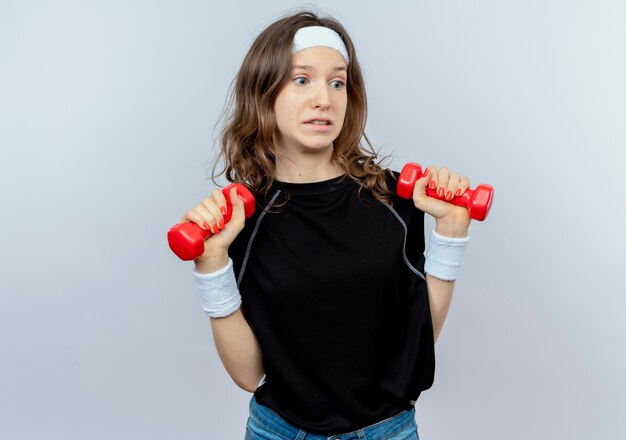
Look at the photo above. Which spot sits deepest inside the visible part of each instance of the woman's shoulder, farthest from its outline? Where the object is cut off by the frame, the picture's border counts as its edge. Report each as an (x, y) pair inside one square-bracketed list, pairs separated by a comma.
[(391, 178)]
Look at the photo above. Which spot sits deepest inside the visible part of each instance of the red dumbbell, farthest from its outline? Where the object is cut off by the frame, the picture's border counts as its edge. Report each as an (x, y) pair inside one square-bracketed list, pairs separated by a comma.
[(187, 239), (476, 201)]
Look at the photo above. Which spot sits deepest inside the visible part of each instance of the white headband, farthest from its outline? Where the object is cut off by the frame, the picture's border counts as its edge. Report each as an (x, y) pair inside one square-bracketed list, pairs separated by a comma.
[(315, 36)]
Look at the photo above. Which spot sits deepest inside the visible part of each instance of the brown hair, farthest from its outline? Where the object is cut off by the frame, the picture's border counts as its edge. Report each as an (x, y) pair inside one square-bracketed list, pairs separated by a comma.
[(248, 132)]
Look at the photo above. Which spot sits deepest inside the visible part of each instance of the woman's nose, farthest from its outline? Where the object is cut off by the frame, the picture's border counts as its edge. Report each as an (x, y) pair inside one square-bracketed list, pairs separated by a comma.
[(321, 98)]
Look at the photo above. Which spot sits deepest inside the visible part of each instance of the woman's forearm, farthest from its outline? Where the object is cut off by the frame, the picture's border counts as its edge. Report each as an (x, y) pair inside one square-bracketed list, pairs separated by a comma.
[(238, 349), (440, 298), (439, 291), (235, 341)]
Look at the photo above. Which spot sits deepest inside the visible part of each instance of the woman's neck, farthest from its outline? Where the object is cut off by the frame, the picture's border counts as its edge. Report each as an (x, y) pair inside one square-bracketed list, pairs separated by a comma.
[(306, 168)]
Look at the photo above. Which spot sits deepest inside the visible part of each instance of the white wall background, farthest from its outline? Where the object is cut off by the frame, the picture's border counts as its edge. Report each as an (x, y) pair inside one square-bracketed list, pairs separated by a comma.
[(106, 118)]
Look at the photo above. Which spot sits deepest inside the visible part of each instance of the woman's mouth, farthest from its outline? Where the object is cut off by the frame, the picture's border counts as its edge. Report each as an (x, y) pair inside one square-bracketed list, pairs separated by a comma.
[(319, 125)]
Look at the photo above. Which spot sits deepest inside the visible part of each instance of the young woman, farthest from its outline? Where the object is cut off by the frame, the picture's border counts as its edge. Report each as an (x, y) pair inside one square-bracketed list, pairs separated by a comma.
[(319, 304)]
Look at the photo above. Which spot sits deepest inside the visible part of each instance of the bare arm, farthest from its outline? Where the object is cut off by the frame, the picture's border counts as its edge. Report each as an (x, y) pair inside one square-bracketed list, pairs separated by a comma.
[(239, 350), (440, 298), (452, 221), (235, 341)]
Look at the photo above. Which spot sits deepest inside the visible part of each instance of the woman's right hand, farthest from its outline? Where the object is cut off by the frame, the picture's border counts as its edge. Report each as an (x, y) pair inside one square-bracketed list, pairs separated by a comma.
[(209, 215)]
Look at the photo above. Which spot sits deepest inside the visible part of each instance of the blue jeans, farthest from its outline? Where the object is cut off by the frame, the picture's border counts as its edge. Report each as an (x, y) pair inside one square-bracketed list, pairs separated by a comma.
[(265, 424)]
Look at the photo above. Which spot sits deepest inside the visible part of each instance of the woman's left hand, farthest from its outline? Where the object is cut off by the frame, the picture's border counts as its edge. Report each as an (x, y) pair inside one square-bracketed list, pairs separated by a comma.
[(452, 220)]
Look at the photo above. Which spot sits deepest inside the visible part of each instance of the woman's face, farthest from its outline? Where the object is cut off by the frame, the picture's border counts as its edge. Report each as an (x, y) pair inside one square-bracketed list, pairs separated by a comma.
[(311, 106)]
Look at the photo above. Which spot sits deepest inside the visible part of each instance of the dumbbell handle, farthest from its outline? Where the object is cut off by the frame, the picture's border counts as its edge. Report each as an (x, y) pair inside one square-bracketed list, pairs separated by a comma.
[(478, 201), (186, 239)]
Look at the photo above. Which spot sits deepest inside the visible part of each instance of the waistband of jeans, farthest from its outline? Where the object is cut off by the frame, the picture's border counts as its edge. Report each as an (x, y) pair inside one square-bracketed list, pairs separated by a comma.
[(272, 419), (399, 421), (279, 425)]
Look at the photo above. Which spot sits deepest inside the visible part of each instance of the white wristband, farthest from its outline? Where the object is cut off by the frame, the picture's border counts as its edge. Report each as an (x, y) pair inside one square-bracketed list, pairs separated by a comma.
[(218, 291), (444, 256)]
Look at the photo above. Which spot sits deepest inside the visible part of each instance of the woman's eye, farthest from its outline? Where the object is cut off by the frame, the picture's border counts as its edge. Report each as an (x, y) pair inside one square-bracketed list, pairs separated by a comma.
[(301, 81), (337, 84)]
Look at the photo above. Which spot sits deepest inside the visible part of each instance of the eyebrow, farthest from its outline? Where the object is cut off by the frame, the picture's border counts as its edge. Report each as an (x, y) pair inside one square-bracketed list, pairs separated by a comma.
[(338, 68)]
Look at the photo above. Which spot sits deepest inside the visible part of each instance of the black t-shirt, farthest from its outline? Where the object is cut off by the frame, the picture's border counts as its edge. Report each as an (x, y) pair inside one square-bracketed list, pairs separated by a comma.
[(332, 286)]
